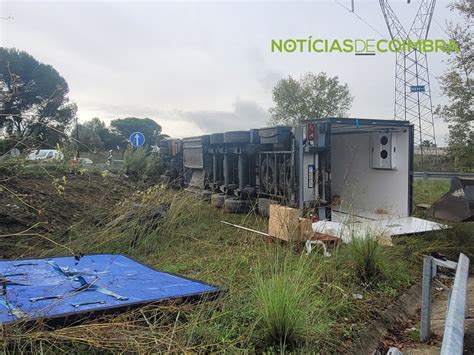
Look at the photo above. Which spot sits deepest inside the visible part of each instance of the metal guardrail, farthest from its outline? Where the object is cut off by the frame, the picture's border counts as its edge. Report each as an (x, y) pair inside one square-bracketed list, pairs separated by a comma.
[(453, 340), (440, 174)]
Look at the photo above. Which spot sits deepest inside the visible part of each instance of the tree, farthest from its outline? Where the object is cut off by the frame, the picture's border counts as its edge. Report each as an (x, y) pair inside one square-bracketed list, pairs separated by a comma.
[(313, 96), (110, 140), (124, 127), (34, 98), (456, 85), (88, 138)]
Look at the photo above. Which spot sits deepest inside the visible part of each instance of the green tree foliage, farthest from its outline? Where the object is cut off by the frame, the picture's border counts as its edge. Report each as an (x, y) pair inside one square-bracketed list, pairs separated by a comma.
[(126, 126), (142, 164), (88, 138), (135, 161), (34, 100), (456, 85), (110, 140), (313, 96)]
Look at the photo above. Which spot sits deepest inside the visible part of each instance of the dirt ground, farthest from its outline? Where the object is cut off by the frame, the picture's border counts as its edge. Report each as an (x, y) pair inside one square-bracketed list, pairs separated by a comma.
[(33, 208), (406, 336)]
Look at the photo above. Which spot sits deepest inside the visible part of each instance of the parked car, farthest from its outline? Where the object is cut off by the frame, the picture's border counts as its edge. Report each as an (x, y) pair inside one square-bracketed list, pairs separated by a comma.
[(46, 154), (85, 161)]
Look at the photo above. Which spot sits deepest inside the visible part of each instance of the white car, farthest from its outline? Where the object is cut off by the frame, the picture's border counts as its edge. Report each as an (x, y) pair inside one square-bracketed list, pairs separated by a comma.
[(46, 154), (85, 161)]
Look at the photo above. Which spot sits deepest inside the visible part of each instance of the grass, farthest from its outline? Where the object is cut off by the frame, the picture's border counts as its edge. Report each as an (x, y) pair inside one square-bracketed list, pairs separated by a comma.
[(277, 298), (288, 303), (367, 257), (428, 191)]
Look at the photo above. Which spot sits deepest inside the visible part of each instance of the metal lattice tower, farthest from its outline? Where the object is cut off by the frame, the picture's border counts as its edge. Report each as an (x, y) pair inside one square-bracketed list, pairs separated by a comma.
[(412, 83)]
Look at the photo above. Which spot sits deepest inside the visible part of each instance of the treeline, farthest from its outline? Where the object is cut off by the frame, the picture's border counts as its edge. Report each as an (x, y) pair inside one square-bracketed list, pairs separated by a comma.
[(36, 112), (96, 135)]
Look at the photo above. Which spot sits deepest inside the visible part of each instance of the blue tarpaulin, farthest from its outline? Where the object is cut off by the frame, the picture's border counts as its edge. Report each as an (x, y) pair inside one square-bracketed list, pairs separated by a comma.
[(61, 286)]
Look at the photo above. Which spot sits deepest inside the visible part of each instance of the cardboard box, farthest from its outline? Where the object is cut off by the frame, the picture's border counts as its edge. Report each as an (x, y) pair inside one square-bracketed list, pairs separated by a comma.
[(305, 229), (285, 223)]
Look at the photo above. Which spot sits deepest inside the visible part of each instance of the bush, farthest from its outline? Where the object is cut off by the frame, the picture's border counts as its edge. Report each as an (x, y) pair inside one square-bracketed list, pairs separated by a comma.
[(135, 162), (155, 167)]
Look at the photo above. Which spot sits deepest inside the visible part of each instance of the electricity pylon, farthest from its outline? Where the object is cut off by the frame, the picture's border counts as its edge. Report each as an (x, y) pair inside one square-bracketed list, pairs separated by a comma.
[(412, 83)]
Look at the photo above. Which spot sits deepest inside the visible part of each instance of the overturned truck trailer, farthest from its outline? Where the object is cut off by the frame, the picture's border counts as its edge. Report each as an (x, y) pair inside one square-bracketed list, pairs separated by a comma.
[(331, 168)]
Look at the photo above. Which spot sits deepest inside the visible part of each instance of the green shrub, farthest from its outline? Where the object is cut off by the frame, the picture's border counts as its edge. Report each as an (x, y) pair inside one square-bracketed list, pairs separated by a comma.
[(155, 167), (135, 162)]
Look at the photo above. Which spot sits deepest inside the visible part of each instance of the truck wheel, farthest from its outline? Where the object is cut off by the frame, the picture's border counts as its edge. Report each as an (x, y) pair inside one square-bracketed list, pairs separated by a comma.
[(206, 195), (217, 138), (217, 200), (264, 206), (237, 137), (234, 205)]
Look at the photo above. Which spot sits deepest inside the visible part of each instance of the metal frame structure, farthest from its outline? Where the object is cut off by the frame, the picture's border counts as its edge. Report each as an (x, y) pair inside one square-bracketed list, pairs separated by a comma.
[(276, 186), (411, 70), (453, 338)]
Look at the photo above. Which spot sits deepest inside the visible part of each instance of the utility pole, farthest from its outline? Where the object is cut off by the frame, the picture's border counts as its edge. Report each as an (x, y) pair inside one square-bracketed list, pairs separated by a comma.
[(412, 84), (77, 139)]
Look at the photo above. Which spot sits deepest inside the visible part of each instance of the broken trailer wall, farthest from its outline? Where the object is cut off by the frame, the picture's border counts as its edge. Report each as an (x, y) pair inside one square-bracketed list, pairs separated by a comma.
[(366, 181)]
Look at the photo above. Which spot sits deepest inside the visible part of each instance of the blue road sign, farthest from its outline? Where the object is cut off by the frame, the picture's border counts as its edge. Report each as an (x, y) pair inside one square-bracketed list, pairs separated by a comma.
[(137, 139), (417, 88)]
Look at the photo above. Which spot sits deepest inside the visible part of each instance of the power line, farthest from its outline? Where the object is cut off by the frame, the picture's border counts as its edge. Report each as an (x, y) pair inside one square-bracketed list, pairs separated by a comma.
[(360, 18)]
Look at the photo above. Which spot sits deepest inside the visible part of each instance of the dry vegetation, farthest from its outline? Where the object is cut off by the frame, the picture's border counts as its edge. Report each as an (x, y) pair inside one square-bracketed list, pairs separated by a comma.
[(277, 297)]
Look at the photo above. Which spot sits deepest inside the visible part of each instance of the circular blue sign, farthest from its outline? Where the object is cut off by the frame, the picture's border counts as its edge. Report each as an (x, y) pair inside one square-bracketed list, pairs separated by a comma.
[(137, 139)]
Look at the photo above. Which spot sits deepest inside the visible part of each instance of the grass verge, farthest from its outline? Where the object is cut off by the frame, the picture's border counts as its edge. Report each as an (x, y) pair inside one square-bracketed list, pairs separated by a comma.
[(277, 299)]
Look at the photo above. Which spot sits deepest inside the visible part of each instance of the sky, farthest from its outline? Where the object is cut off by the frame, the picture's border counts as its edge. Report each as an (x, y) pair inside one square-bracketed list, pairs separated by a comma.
[(201, 67)]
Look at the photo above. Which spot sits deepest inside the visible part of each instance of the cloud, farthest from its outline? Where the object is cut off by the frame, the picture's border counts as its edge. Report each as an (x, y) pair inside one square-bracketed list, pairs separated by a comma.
[(245, 115)]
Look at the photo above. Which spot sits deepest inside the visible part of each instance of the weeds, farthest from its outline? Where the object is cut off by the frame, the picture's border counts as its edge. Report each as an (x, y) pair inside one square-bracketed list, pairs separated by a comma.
[(135, 162), (367, 260), (282, 302), (276, 299), (428, 191), (140, 164)]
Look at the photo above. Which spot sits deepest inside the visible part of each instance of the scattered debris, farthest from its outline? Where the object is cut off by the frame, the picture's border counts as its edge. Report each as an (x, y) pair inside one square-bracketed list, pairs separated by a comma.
[(394, 351), (458, 204), (247, 229), (311, 243), (60, 287)]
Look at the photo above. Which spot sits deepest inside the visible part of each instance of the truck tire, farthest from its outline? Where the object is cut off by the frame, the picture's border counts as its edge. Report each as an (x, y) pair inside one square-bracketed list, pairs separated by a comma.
[(217, 200), (234, 205), (264, 206), (206, 195), (248, 193), (237, 137), (217, 138)]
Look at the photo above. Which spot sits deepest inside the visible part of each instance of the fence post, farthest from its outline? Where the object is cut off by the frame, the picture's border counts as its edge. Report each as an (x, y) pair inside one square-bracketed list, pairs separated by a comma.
[(425, 327)]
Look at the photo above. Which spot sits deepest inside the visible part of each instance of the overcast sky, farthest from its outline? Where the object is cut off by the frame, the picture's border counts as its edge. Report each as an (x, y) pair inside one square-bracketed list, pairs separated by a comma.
[(200, 67)]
